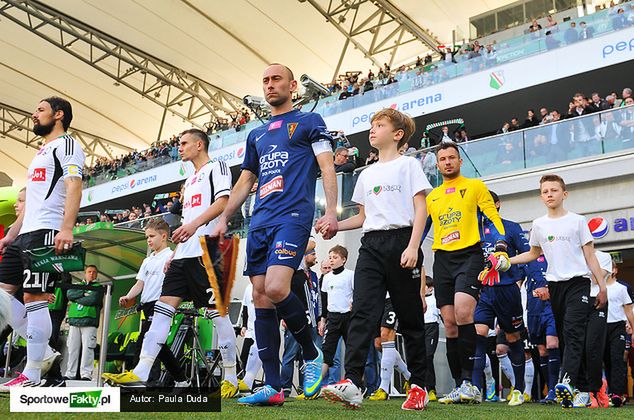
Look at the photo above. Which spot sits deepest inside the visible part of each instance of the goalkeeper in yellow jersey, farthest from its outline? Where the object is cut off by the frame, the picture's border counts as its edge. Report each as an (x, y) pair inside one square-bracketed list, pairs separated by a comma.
[(455, 209)]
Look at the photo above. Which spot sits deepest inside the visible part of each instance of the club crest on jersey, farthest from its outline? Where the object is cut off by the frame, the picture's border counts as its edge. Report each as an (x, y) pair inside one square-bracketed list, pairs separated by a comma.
[(38, 175), (275, 125), (274, 185), (291, 127), (462, 192)]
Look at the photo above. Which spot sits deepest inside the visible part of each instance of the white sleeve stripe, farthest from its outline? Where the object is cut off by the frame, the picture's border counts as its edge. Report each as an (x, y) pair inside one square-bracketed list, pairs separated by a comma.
[(225, 191)]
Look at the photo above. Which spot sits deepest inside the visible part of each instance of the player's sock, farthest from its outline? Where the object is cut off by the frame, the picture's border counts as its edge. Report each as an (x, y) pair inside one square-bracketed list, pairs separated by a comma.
[(507, 368), (488, 371), (19, 322), (467, 338), (518, 362), (253, 366), (479, 360), (227, 346), (267, 335), (388, 359), (39, 330), (293, 313), (543, 369), (18, 317), (453, 359), (554, 366), (154, 339), (529, 376), (401, 366)]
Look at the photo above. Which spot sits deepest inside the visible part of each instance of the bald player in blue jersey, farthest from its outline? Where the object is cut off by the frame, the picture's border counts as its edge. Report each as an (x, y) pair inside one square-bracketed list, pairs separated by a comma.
[(284, 156), (502, 300)]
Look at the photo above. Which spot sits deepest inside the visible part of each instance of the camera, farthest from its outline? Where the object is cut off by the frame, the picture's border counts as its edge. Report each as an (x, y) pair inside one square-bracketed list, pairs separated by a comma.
[(313, 88), (254, 102), (258, 105)]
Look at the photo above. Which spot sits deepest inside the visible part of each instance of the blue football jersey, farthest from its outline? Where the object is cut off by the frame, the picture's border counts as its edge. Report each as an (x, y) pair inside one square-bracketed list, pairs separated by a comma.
[(535, 279), (517, 243), (280, 153)]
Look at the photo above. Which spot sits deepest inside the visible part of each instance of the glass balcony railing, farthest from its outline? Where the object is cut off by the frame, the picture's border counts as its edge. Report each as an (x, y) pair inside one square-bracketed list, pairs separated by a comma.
[(603, 22), (593, 135)]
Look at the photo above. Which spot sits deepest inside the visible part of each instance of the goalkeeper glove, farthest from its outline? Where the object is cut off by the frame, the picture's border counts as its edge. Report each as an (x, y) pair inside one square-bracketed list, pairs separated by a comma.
[(489, 276), (500, 260)]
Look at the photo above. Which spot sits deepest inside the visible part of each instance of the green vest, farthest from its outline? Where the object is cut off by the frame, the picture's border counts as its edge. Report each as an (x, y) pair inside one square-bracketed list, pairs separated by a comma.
[(77, 310)]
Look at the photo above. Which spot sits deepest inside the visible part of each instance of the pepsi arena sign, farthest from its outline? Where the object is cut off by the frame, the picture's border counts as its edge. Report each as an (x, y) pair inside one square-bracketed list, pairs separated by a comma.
[(600, 227), (405, 106), (230, 156), (133, 183)]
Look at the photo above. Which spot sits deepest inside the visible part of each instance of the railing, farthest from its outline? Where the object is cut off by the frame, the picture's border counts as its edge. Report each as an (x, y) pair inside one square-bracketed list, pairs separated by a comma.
[(603, 22), (570, 140)]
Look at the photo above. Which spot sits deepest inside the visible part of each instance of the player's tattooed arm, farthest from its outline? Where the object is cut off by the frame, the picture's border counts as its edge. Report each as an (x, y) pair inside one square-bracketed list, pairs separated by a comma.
[(238, 196), (328, 222), (64, 239)]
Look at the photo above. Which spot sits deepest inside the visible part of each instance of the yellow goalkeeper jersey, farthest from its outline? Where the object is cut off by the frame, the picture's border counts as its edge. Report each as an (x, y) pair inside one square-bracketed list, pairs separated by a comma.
[(455, 210)]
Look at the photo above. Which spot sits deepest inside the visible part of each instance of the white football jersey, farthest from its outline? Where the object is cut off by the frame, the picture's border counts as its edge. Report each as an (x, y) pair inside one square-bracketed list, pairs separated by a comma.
[(211, 182), (152, 275), (45, 190)]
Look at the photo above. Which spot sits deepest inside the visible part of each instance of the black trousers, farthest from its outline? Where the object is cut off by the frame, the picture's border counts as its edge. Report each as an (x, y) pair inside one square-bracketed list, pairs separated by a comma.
[(615, 365), (570, 301), (431, 342), (379, 269), (336, 327), (165, 354), (591, 378)]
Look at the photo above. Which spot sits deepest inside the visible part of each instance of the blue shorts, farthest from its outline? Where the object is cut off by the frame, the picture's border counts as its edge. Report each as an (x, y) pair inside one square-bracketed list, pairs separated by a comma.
[(503, 302), (542, 325), (275, 245)]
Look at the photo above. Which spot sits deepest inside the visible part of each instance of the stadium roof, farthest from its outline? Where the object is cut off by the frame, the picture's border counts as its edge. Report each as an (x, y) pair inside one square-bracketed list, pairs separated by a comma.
[(223, 43)]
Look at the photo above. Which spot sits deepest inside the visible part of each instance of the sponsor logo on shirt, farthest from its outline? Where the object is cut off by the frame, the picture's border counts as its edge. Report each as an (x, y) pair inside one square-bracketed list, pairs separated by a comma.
[(553, 238), (38, 175), (195, 201), (275, 125), (450, 190), (453, 236), (384, 188), (451, 217), (291, 127), (285, 250), (273, 161), (274, 185)]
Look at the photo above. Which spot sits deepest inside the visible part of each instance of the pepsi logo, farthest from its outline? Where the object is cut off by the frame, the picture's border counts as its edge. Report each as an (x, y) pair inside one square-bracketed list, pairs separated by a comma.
[(132, 182), (240, 152), (599, 227)]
